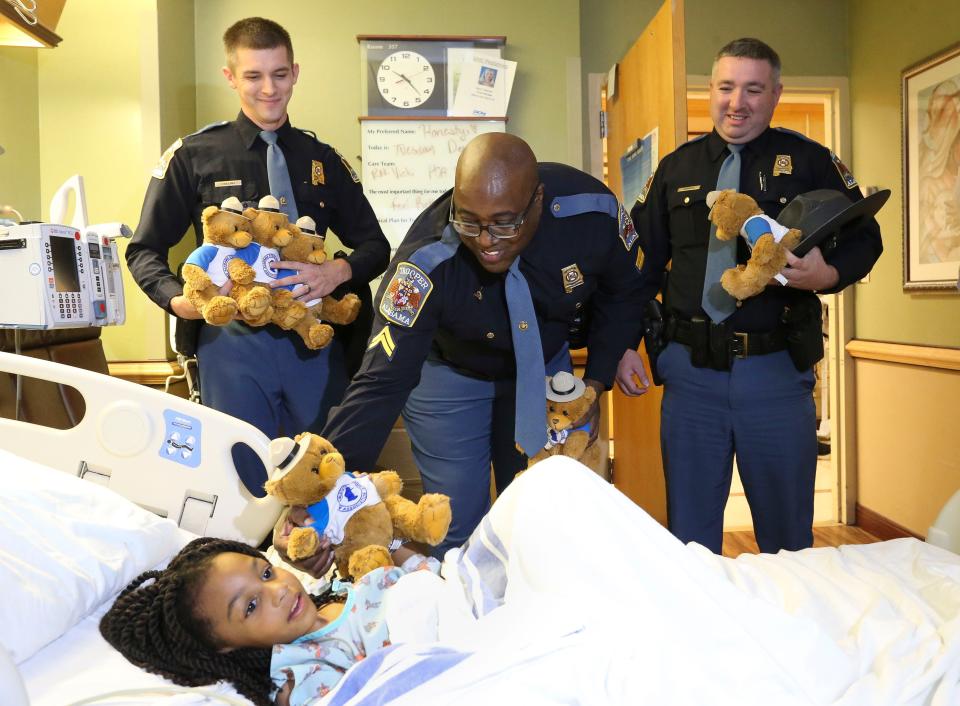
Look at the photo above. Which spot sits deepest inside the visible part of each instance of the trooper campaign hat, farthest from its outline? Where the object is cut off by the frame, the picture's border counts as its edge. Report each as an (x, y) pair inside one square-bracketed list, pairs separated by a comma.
[(564, 387), (825, 212), (269, 203), (308, 226), (232, 204)]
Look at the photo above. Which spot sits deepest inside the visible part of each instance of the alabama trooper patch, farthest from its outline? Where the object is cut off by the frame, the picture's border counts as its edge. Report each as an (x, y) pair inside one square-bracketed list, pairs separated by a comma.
[(316, 173), (572, 277), (845, 174), (405, 295), (346, 164), (160, 171), (628, 233), (783, 164)]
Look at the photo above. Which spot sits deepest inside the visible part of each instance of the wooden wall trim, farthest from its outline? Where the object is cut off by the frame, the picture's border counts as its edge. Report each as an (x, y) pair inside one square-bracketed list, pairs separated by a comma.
[(926, 356), (881, 527), (145, 372)]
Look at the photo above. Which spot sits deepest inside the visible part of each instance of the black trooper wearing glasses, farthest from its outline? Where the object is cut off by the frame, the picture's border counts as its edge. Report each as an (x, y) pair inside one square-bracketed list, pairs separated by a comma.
[(441, 350)]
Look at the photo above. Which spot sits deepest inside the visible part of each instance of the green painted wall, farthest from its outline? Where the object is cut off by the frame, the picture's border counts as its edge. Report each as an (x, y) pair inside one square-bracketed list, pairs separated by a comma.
[(541, 35), (20, 132), (885, 38), (809, 35)]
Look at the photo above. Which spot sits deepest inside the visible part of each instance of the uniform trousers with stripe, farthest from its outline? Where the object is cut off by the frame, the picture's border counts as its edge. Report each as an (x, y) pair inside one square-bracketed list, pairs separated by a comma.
[(458, 427), (763, 411), (269, 378)]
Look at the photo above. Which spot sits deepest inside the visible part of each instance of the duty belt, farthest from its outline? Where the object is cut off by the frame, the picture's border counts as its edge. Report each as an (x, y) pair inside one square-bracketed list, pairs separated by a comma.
[(715, 345)]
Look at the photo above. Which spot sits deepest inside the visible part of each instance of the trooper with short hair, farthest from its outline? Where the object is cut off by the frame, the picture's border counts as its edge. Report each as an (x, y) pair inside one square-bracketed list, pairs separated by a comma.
[(265, 376), (738, 375), (447, 344)]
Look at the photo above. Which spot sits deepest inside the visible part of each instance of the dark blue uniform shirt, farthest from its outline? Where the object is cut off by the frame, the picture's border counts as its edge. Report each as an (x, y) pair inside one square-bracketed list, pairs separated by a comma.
[(581, 261), (671, 219), (227, 159)]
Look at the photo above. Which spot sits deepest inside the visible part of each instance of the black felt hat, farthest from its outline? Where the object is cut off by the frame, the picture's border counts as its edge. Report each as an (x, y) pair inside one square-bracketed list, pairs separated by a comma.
[(825, 212)]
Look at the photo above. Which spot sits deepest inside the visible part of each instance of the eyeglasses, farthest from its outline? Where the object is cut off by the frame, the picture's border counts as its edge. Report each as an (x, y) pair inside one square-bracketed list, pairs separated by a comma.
[(500, 231)]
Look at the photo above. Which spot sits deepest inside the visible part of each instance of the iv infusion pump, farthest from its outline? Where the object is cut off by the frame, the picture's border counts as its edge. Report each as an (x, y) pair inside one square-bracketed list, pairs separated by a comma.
[(58, 277)]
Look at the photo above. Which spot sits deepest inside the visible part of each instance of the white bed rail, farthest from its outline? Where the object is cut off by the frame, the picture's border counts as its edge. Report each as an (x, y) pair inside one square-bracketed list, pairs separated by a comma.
[(162, 452)]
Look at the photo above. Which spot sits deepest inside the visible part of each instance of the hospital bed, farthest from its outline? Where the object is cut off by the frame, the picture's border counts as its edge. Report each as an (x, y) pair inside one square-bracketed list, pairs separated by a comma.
[(668, 624)]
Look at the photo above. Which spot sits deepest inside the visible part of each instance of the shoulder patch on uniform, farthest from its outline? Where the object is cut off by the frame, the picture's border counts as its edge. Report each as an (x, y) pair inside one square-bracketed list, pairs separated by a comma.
[(384, 339), (642, 198), (406, 294), (628, 234), (160, 171), (346, 164), (211, 126), (848, 178)]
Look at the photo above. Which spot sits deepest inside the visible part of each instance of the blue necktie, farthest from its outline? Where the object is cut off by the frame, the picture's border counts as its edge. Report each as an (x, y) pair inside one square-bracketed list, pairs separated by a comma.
[(279, 176), (722, 254), (530, 426)]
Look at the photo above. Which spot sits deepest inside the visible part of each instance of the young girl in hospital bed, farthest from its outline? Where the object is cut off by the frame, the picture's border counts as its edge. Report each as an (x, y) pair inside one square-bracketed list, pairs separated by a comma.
[(665, 623)]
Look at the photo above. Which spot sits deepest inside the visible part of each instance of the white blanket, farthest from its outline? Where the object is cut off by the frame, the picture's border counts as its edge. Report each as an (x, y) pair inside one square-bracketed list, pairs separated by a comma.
[(570, 594)]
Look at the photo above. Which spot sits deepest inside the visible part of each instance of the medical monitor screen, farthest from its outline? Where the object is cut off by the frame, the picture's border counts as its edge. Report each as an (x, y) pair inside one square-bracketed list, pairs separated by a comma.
[(64, 264)]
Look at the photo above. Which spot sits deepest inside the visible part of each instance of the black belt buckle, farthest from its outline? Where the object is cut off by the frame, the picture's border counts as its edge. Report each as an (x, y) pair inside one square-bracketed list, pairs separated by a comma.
[(739, 345)]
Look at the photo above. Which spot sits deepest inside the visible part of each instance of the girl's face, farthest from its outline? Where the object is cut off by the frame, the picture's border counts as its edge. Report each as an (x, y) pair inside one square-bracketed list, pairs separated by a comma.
[(251, 603)]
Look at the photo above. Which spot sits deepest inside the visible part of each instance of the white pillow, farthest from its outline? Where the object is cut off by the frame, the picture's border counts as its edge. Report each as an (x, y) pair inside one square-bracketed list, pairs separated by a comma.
[(66, 546)]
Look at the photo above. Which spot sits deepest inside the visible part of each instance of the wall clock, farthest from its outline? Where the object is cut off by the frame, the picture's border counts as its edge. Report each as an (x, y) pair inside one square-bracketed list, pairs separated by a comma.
[(412, 75)]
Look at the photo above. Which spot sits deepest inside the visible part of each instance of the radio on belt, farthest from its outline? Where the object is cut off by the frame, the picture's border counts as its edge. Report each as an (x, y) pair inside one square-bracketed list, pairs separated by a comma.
[(61, 276)]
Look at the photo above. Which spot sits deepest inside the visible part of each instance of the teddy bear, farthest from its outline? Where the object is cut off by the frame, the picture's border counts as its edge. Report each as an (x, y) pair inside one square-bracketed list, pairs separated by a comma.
[(279, 239), (222, 256), (568, 399), (361, 514), (736, 214)]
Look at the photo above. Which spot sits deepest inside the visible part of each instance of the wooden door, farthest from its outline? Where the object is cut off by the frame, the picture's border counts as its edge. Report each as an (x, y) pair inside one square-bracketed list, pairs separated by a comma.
[(650, 93)]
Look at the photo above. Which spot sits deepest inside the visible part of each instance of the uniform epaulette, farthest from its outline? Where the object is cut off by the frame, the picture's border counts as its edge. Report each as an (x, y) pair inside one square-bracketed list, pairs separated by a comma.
[(211, 126), (690, 142), (788, 131), (309, 133)]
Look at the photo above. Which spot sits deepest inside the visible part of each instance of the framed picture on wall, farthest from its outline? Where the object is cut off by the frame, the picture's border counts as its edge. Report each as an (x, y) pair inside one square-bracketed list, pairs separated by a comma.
[(930, 100)]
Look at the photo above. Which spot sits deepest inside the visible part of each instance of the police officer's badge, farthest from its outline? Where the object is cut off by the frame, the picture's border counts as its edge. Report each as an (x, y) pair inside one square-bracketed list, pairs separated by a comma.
[(572, 277), (406, 294), (346, 164), (783, 164), (316, 173), (628, 233), (848, 178), (160, 171)]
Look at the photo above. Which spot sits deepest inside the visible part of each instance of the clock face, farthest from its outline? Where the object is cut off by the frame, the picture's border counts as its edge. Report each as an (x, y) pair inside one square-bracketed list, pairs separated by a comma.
[(406, 79)]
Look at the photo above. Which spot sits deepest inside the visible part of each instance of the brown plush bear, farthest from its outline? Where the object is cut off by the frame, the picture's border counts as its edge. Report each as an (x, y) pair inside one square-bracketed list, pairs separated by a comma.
[(568, 399), (360, 514), (272, 229), (738, 214), (225, 232)]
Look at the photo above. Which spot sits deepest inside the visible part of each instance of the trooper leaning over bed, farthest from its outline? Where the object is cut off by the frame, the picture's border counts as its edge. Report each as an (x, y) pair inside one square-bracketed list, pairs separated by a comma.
[(221, 611)]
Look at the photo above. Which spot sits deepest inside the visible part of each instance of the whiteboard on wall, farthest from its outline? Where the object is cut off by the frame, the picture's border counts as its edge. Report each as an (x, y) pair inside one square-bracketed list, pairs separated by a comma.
[(407, 164)]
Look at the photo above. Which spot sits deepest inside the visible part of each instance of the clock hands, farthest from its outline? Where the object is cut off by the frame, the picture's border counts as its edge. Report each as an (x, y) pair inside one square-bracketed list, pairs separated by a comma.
[(403, 77)]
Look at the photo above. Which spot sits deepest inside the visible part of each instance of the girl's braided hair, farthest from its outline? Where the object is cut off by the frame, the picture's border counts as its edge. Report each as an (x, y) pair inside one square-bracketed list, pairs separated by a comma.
[(156, 627)]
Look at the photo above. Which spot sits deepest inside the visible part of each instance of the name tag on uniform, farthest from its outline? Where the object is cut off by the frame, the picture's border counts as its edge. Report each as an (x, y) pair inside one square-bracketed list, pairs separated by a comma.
[(229, 182)]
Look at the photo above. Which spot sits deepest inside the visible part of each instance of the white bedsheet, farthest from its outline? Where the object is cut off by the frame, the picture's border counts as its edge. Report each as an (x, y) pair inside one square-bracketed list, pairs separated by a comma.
[(584, 599), (597, 608)]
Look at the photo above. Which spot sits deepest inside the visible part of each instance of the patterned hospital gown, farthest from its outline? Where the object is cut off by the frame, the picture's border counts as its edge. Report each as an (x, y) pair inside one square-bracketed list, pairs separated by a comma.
[(317, 661)]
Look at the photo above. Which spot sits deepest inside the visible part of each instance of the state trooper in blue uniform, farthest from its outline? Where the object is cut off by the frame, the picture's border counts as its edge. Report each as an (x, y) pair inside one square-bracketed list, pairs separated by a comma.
[(441, 347), (743, 385), (263, 375)]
